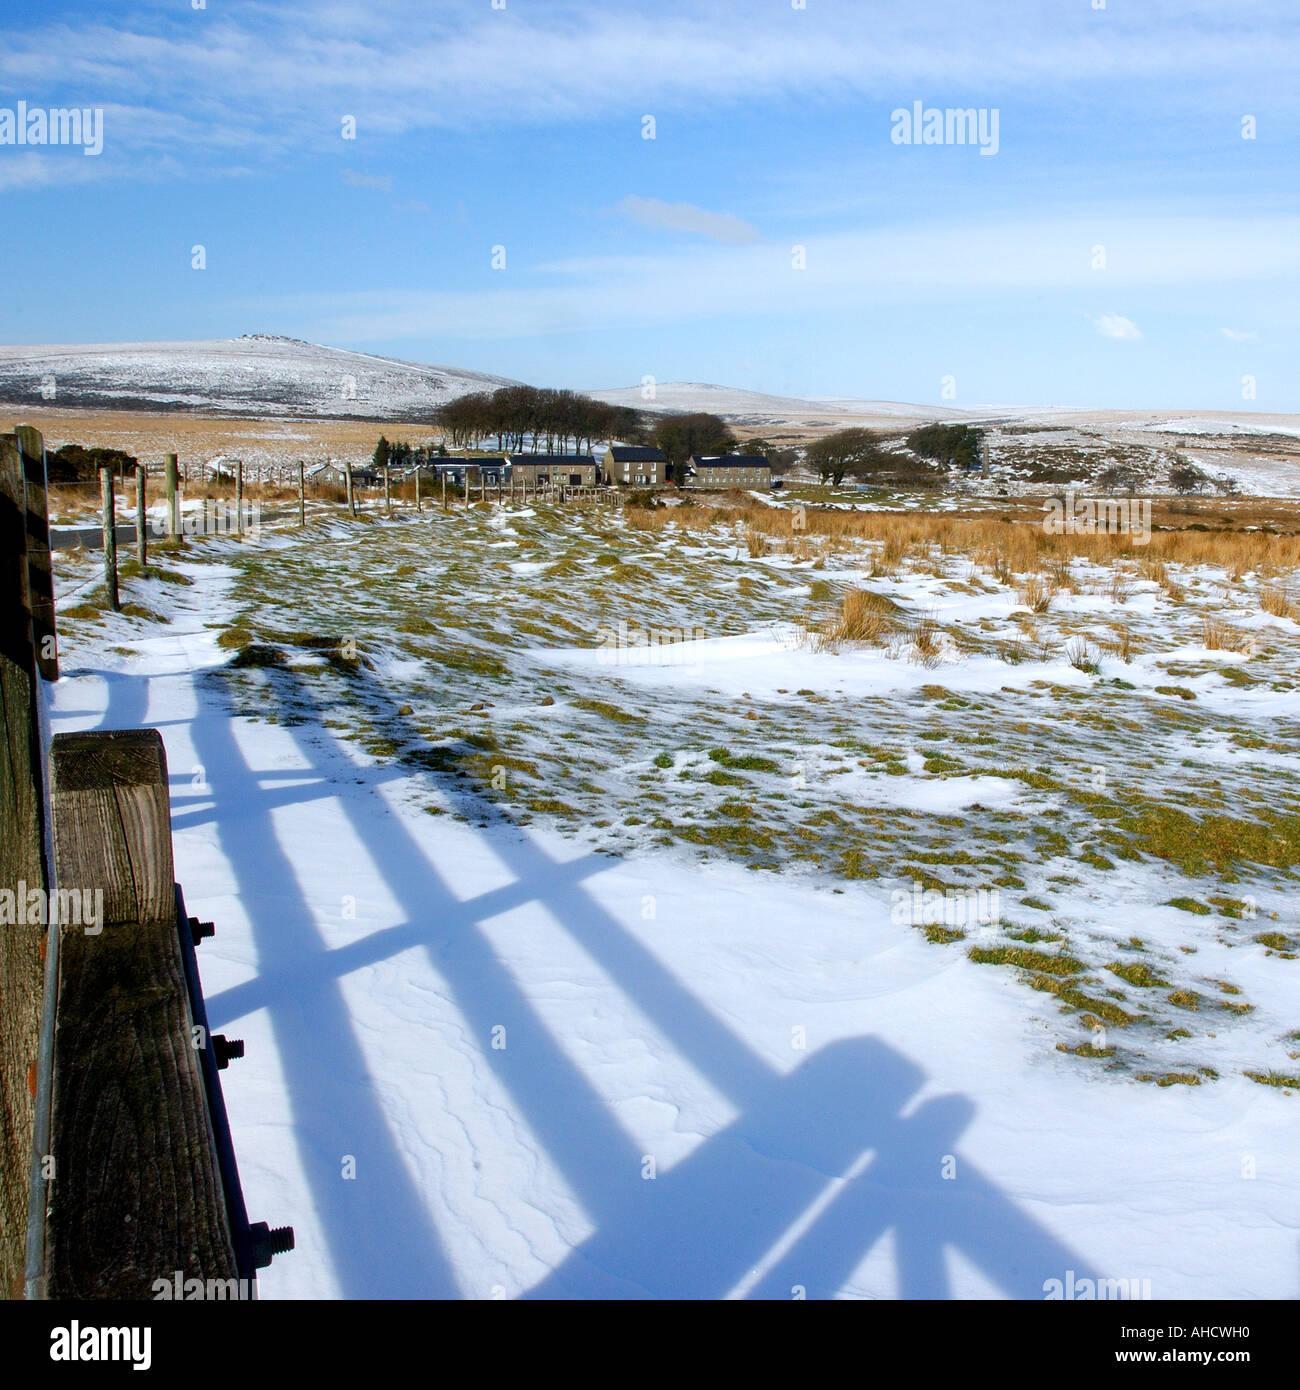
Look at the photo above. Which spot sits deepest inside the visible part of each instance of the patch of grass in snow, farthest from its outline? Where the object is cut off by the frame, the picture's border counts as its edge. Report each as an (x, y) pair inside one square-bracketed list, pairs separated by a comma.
[(1138, 975), (1275, 1078), (1026, 959), (1086, 1050), (1186, 999), (608, 711), (943, 936)]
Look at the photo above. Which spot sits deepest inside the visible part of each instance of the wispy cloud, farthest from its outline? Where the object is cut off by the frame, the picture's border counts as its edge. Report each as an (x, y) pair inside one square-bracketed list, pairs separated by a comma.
[(280, 77), (1118, 327), (686, 217), (383, 183), (1237, 335), (46, 170), (851, 271)]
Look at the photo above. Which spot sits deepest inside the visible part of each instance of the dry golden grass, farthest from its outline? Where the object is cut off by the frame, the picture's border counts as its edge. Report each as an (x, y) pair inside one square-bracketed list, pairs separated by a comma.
[(865, 617), (1036, 595), (1122, 643), (1218, 636), (756, 543), (1122, 587), (1275, 600), (197, 438), (1007, 548), (921, 639)]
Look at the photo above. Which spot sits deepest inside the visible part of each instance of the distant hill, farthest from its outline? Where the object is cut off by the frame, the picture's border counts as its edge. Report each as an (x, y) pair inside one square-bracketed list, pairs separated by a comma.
[(756, 408), (256, 375)]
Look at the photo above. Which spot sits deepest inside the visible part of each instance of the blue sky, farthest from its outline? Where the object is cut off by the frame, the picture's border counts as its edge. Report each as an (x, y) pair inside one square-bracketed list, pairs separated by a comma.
[(481, 127)]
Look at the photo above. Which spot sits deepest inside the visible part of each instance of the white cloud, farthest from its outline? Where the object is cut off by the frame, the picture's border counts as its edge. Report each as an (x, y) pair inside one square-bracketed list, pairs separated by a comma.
[(1118, 327), (686, 217), (1237, 335), (355, 179), (33, 170)]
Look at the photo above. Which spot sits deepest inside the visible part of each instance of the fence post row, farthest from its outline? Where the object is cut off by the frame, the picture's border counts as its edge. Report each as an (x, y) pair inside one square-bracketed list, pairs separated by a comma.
[(116, 1164)]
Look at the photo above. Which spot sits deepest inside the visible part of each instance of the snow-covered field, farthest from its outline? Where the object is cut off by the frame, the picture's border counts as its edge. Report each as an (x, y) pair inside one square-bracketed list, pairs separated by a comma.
[(583, 909)]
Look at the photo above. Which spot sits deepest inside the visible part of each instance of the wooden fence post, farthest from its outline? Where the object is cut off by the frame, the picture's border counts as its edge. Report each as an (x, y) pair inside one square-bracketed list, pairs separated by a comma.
[(110, 538), (40, 577), (388, 494), (173, 500), (139, 1193), (352, 500), (302, 494), (239, 498), (141, 531), (444, 489), (22, 866), (418, 504)]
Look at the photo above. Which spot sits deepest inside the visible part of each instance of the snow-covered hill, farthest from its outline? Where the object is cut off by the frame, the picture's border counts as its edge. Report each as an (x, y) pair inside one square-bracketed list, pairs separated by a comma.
[(259, 374), (744, 407)]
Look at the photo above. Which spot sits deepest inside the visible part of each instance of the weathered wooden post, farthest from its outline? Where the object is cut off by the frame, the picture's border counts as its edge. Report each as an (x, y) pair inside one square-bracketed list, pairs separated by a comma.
[(352, 499), (138, 1196), (302, 494), (173, 501), (22, 865), (443, 473), (239, 498), (110, 538), (141, 531), (40, 577), (482, 486), (419, 506), (388, 496)]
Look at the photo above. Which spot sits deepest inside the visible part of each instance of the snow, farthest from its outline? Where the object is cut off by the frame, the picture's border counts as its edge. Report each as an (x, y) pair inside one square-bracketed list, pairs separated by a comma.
[(561, 1073), (259, 375)]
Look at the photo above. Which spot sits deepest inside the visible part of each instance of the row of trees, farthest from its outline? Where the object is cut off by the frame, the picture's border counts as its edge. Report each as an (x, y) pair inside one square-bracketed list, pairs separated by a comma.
[(514, 414)]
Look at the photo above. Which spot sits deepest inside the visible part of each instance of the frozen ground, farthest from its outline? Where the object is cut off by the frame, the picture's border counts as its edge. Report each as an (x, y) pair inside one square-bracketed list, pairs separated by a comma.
[(571, 969)]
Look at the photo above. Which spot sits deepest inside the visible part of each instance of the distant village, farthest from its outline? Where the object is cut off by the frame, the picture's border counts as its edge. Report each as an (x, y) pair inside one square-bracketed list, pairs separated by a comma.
[(635, 466)]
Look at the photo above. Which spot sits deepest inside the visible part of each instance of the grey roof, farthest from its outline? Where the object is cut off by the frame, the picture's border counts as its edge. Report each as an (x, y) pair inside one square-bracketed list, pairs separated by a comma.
[(730, 461), (627, 453), (553, 460)]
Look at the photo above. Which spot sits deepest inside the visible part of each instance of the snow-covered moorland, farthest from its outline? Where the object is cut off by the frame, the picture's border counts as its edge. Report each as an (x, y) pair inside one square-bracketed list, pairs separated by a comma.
[(615, 906)]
